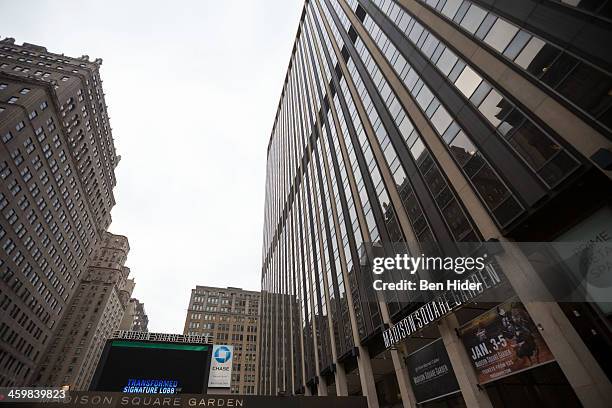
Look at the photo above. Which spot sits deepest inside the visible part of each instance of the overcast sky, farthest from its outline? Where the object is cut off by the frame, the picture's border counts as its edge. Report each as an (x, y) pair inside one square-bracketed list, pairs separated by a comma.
[(192, 89)]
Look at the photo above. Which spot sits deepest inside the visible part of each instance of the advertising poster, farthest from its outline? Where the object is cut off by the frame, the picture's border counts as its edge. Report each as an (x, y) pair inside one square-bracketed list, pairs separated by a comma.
[(431, 373), (504, 341), (221, 366)]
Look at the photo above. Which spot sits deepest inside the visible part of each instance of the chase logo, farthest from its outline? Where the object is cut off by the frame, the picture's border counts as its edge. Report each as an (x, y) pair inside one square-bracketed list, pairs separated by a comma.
[(222, 354)]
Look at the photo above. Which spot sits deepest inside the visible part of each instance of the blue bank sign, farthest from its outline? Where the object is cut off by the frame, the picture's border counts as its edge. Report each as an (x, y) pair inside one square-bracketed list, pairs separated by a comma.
[(222, 354)]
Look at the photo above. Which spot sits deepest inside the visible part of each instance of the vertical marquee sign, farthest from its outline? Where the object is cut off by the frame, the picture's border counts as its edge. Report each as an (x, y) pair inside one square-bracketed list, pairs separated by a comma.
[(221, 366)]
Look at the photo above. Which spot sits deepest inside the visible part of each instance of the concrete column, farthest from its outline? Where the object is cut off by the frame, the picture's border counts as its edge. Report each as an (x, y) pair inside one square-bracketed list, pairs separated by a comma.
[(341, 382), (366, 376), (401, 374), (364, 364), (408, 398), (466, 377), (582, 371), (307, 391), (322, 387)]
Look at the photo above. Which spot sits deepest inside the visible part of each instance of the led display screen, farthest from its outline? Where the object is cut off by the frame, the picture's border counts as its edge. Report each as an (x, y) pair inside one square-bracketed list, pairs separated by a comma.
[(152, 368)]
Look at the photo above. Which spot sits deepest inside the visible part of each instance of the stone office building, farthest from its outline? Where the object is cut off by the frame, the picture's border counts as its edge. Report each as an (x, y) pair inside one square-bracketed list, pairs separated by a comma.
[(57, 163), (229, 316), (135, 317), (442, 127), (93, 314)]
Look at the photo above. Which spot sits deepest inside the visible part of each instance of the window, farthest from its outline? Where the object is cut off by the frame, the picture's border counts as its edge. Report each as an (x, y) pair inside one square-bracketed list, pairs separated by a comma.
[(3, 86), (491, 108), (447, 61), (500, 35), (588, 88), (7, 137), (417, 149), (557, 168), (534, 146), (473, 18), (43, 105), (416, 31), (406, 128), (468, 81), (424, 97), (517, 44), (462, 148), (555, 72), (458, 224), (435, 182), (451, 7), (481, 92), (511, 121), (489, 186), (13, 99), (19, 126), (24, 91), (429, 46), (537, 56), (441, 120)]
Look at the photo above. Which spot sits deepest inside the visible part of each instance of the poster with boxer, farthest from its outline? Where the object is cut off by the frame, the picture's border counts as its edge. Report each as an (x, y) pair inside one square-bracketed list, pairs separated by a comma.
[(504, 341)]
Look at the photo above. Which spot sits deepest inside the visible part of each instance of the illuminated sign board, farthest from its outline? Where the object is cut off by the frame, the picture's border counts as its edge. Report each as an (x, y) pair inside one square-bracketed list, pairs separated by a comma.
[(153, 367), (150, 386)]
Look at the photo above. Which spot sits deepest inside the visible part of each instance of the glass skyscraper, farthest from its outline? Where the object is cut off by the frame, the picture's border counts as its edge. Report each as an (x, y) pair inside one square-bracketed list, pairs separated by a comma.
[(439, 127)]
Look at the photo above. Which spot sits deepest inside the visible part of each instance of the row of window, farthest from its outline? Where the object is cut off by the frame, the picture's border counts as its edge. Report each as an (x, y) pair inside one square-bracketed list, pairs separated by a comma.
[(487, 183), (537, 148), (578, 82)]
